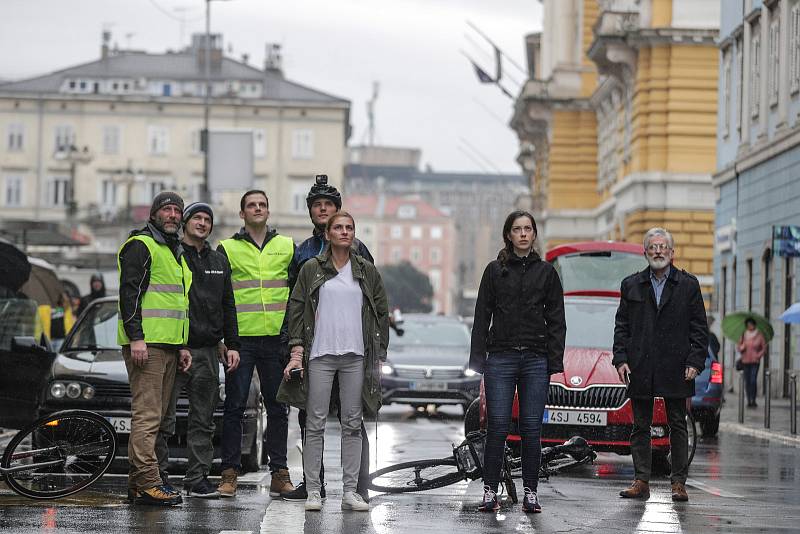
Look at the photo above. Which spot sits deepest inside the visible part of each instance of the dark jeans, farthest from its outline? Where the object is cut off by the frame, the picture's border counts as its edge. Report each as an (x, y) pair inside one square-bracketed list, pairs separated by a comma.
[(363, 475), (202, 388), (751, 381), (678, 438), (505, 373), (265, 354)]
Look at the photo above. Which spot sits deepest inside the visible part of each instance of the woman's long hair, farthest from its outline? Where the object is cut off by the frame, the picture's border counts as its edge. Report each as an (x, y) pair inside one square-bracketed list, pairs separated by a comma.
[(507, 250)]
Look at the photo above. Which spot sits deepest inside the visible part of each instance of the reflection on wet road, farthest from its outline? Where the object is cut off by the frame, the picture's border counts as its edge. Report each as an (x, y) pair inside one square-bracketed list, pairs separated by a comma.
[(737, 484)]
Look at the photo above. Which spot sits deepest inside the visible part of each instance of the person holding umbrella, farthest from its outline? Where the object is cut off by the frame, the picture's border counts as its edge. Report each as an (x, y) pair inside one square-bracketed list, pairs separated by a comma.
[(752, 346)]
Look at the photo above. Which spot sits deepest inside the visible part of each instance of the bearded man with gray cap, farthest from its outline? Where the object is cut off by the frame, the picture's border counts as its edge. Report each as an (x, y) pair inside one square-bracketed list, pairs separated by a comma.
[(212, 317), (152, 330)]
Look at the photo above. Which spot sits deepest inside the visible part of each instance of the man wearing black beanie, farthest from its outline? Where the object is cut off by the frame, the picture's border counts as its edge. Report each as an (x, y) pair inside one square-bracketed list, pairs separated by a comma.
[(152, 331)]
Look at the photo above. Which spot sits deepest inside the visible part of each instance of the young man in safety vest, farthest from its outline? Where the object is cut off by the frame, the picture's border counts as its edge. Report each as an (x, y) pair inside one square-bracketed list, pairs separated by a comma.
[(324, 200), (153, 329), (262, 274)]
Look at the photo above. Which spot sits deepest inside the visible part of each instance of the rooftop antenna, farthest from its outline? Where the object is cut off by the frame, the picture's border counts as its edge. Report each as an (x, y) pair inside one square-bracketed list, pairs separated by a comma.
[(371, 112)]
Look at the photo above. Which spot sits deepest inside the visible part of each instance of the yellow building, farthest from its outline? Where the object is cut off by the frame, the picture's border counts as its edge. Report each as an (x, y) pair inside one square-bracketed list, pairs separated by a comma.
[(617, 123)]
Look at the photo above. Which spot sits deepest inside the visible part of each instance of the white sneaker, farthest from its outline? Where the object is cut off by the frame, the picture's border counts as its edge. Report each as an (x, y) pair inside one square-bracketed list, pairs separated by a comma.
[(353, 501), (313, 501)]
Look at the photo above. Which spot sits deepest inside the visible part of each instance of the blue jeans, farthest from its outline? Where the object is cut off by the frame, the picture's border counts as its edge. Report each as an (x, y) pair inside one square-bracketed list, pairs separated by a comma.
[(751, 381), (265, 354), (505, 373)]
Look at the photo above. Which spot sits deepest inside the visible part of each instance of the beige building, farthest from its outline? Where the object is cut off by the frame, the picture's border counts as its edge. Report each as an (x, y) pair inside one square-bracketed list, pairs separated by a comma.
[(617, 123), (134, 120)]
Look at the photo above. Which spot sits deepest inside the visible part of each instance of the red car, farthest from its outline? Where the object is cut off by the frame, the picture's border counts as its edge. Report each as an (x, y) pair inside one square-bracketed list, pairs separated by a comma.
[(588, 398)]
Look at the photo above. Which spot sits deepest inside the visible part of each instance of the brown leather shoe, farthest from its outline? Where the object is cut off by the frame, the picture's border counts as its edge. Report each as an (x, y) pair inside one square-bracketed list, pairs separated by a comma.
[(281, 483), (638, 490), (679, 492), (227, 487)]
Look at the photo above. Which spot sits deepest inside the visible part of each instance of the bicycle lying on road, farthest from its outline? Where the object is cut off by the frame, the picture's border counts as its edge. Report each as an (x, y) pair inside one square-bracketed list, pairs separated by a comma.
[(58, 455), (466, 463)]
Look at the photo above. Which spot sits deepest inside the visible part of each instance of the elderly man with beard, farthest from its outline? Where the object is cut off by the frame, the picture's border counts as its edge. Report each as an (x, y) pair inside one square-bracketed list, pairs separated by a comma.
[(660, 346), (152, 331)]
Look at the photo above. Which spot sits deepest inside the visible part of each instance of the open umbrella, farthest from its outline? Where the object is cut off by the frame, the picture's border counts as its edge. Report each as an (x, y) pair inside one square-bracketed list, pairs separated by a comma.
[(792, 314), (733, 325)]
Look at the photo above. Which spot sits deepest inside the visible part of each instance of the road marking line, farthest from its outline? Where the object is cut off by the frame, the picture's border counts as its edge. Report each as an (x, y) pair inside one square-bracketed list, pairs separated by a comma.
[(713, 490), (235, 532), (254, 477)]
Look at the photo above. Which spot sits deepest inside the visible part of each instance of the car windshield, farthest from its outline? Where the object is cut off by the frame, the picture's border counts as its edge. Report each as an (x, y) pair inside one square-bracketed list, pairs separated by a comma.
[(590, 323), (598, 270), (97, 329), (440, 333), (18, 317)]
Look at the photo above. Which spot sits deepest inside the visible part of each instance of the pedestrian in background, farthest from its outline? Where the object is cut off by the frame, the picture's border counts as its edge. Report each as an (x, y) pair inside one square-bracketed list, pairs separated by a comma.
[(152, 331), (260, 262), (212, 317), (752, 346), (660, 346), (518, 337), (323, 201), (97, 290), (338, 325)]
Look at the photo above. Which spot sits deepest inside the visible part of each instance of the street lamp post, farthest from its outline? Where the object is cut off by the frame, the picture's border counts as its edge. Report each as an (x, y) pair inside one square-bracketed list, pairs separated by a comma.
[(74, 156)]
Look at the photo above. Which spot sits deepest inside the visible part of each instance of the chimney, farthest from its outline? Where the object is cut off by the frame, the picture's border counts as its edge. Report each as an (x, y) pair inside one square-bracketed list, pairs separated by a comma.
[(199, 50), (106, 41), (273, 61), (245, 58)]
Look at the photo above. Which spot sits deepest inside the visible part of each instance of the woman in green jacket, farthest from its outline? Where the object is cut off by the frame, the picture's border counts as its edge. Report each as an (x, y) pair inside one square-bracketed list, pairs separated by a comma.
[(338, 324)]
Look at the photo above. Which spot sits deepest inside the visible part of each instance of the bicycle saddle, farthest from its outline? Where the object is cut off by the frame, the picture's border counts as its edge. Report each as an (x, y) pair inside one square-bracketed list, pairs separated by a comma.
[(576, 446)]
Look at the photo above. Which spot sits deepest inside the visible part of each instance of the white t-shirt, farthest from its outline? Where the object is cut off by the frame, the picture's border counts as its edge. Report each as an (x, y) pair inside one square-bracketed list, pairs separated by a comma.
[(338, 327)]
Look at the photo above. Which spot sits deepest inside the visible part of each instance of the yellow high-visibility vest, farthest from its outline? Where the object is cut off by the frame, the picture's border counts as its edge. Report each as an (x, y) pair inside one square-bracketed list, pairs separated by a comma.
[(165, 303), (260, 281)]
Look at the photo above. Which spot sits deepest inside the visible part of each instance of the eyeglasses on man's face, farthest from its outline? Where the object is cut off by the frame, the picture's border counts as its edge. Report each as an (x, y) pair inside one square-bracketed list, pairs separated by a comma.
[(657, 247)]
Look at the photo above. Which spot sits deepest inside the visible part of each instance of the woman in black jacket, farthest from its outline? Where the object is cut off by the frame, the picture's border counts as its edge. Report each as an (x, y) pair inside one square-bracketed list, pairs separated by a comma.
[(517, 343)]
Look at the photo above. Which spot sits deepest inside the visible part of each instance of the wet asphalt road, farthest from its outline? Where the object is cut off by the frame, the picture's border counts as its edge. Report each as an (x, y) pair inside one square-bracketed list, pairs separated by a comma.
[(737, 484)]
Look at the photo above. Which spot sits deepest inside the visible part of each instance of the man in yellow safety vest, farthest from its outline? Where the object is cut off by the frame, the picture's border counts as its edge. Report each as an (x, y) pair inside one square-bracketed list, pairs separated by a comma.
[(153, 328), (262, 274)]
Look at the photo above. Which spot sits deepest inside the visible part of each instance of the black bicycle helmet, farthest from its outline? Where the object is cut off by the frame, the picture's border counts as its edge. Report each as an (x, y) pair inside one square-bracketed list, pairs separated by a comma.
[(321, 189)]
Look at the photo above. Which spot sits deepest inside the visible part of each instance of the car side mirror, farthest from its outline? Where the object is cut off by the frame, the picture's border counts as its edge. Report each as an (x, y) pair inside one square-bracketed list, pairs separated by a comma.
[(27, 344)]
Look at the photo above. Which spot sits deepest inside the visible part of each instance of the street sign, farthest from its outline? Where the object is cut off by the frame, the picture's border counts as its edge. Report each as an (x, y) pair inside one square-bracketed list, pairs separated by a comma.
[(786, 240)]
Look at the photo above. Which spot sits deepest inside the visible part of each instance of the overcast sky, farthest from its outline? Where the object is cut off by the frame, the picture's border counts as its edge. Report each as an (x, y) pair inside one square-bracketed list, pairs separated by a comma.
[(429, 95)]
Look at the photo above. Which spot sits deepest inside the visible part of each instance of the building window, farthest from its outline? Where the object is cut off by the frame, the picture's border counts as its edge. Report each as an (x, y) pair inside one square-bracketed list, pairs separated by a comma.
[(755, 73), (302, 144), (195, 142), (435, 255), (64, 137), (750, 283), (397, 232), (13, 191), (111, 139), (407, 211), (259, 143), (416, 232), (16, 137), (397, 254), (739, 83), (726, 91), (416, 255), (57, 192), (794, 47), (436, 232), (774, 60), (154, 188), (157, 140), (108, 193), (299, 193)]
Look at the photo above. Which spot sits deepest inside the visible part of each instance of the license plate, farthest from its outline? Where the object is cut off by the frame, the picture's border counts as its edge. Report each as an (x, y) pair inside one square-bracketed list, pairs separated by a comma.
[(122, 425), (428, 385), (575, 417)]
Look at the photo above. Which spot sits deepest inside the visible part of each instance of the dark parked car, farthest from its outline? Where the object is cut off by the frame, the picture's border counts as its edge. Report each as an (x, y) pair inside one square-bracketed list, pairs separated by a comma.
[(707, 400), (89, 373), (428, 363)]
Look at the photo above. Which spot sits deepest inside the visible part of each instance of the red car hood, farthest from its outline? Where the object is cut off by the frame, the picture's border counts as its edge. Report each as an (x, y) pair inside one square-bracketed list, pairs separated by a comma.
[(585, 367)]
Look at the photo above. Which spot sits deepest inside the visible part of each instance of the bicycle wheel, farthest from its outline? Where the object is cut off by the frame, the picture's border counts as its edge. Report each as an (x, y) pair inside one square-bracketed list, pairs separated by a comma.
[(60, 454), (416, 476)]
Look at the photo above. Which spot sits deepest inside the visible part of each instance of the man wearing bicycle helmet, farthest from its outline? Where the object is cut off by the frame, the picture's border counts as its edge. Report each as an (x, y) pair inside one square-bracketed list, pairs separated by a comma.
[(324, 200)]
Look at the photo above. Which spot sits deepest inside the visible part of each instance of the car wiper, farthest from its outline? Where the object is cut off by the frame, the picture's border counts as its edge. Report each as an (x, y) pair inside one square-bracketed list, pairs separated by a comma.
[(88, 347)]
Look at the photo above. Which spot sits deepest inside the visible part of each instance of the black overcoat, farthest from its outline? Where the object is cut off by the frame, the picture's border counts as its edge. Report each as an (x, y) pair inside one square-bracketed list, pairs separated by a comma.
[(658, 342)]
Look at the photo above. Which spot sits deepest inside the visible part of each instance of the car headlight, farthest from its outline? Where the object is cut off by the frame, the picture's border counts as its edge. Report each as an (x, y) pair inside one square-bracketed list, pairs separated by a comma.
[(88, 392), (387, 369), (73, 390), (469, 372), (58, 390), (222, 392)]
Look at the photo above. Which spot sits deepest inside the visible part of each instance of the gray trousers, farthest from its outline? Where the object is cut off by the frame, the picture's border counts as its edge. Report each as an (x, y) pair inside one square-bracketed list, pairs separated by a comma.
[(202, 388), (320, 374)]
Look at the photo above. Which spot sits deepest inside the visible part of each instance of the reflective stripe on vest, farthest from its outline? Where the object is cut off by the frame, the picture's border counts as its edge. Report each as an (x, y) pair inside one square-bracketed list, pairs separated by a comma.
[(164, 302), (260, 280)]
